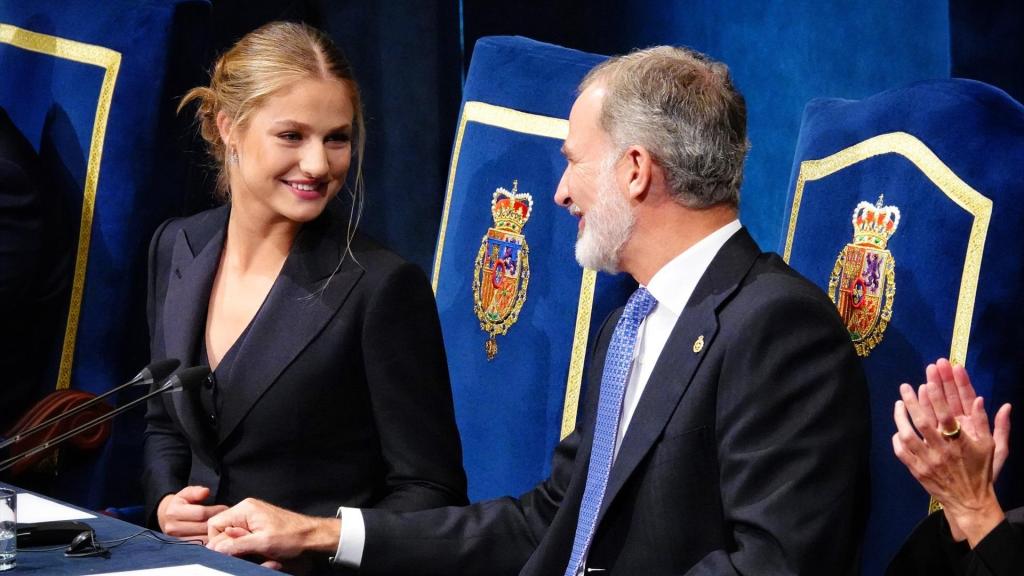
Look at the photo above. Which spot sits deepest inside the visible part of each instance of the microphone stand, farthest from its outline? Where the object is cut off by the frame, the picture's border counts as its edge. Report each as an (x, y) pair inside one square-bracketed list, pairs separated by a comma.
[(188, 378), (149, 374)]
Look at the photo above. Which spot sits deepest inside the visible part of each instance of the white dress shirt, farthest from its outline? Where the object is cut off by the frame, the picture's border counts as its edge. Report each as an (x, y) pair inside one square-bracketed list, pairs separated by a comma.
[(672, 287)]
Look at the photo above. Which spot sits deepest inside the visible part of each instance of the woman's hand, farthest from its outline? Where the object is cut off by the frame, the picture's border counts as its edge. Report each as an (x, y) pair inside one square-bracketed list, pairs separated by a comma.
[(959, 394), (182, 514), (957, 469)]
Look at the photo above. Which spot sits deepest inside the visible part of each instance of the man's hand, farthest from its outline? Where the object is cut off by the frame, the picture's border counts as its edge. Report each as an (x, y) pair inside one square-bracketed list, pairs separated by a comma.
[(183, 516), (253, 527)]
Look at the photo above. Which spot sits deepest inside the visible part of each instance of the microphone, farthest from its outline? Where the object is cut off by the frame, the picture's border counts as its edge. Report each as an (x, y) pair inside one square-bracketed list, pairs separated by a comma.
[(187, 379), (155, 372)]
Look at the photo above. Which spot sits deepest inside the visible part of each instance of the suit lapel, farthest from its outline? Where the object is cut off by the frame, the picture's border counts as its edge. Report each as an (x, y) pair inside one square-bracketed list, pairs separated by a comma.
[(295, 311), (194, 261), (677, 363)]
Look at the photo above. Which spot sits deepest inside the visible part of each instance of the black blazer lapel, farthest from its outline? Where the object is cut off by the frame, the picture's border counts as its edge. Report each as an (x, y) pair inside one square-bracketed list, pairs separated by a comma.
[(197, 251), (295, 311), (678, 363)]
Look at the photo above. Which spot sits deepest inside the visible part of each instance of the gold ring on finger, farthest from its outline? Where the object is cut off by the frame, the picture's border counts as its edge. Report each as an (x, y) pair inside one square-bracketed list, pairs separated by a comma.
[(954, 433)]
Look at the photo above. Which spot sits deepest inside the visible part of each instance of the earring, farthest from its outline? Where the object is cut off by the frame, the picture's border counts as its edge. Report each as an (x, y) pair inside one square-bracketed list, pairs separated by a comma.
[(234, 156)]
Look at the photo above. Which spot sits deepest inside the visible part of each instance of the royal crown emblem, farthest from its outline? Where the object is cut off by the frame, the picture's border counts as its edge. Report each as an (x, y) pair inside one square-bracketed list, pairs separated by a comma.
[(502, 270), (863, 281)]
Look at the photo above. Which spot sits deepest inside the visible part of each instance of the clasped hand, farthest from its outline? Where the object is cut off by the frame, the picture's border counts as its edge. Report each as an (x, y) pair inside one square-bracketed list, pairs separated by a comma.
[(184, 516), (958, 470), (255, 528)]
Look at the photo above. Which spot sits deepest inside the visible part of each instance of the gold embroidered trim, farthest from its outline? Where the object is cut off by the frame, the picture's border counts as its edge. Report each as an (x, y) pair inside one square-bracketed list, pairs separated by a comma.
[(579, 343), (547, 127), (110, 61), (972, 201)]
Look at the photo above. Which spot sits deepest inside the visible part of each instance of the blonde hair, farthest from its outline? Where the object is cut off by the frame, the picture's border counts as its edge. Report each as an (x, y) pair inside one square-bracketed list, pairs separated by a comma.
[(264, 61)]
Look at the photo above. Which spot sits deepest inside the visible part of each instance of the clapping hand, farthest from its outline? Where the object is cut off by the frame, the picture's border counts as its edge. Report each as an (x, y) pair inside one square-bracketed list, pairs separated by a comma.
[(957, 457)]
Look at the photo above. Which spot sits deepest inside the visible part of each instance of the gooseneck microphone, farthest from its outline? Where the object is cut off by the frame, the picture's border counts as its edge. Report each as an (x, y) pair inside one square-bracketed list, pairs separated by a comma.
[(187, 379), (155, 372)]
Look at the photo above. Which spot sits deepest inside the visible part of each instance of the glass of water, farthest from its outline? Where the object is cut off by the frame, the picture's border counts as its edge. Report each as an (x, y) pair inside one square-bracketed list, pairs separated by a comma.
[(8, 528)]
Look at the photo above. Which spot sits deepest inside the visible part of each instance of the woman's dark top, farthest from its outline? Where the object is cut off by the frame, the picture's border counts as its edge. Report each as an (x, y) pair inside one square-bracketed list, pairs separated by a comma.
[(931, 551), (211, 393)]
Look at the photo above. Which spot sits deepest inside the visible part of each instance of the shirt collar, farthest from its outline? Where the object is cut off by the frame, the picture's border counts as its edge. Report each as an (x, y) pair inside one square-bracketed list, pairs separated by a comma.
[(674, 283)]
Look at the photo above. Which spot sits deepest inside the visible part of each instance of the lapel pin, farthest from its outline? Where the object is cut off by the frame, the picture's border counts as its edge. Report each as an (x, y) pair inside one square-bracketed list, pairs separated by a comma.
[(698, 344)]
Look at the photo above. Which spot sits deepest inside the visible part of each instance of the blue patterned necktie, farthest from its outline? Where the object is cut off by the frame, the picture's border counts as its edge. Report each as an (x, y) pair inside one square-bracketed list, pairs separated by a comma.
[(617, 363)]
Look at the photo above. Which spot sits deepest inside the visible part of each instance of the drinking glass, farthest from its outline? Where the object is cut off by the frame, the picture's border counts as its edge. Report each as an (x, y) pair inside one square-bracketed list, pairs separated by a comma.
[(8, 528)]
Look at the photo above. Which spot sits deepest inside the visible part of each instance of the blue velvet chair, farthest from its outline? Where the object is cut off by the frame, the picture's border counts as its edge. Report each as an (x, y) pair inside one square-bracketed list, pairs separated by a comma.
[(905, 207), (92, 87), (516, 309)]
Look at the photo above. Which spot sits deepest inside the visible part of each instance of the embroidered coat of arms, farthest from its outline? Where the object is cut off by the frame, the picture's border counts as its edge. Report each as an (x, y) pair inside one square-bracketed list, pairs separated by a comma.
[(863, 280), (502, 271)]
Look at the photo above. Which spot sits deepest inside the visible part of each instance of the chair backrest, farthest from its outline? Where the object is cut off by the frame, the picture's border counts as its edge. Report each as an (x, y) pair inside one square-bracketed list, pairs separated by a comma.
[(91, 86), (905, 208), (516, 309)]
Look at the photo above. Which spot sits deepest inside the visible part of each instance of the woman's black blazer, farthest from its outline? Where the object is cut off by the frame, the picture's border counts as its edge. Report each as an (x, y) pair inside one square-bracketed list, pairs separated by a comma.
[(340, 392)]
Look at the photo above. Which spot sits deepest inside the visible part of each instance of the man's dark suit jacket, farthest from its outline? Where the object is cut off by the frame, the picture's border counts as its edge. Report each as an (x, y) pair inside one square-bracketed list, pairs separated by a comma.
[(931, 551), (36, 252), (339, 394), (745, 456)]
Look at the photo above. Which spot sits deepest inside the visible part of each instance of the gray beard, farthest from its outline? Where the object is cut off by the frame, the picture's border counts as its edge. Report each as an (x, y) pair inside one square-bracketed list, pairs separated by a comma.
[(609, 223)]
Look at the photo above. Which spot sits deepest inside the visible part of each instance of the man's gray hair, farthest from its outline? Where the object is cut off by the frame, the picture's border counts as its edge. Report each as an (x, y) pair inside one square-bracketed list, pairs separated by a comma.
[(682, 107)]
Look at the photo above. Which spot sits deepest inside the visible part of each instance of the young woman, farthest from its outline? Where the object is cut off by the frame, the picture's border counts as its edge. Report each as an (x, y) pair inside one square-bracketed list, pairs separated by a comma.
[(329, 384)]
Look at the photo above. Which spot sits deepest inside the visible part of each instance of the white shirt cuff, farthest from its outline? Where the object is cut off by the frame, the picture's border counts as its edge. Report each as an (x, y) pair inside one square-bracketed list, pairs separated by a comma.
[(353, 538)]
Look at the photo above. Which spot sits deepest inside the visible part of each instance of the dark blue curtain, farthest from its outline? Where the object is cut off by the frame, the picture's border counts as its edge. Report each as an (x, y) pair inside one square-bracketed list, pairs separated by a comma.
[(986, 43)]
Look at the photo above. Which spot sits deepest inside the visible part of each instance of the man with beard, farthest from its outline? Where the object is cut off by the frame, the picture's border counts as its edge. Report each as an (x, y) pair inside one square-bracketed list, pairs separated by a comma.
[(726, 428)]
